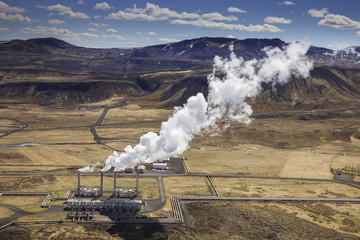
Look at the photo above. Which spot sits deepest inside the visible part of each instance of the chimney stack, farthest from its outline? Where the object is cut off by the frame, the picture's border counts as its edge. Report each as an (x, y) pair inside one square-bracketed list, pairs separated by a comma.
[(78, 188), (101, 192), (137, 184), (114, 191)]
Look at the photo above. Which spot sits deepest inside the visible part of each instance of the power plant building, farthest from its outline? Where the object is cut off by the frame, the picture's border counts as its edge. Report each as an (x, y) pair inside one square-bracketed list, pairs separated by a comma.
[(159, 166), (121, 205)]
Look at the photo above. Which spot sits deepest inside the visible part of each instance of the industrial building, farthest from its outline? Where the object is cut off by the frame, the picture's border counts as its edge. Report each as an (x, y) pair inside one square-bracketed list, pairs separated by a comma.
[(159, 166), (122, 204), (141, 168)]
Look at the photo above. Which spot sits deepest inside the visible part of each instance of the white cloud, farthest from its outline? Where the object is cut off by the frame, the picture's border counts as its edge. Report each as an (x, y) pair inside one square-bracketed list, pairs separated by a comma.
[(53, 31), (152, 12), (138, 32), (15, 17), (57, 7), (236, 10), (8, 9), (97, 17), (339, 22), (277, 20), (287, 3), (92, 29), (230, 36), (102, 6), (358, 33), (217, 16), (211, 24), (80, 2), (56, 22), (121, 15), (118, 37), (4, 29), (93, 35), (98, 24), (318, 13), (71, 14), (152, 33), (111, 30), (65, 11), (168, 40)]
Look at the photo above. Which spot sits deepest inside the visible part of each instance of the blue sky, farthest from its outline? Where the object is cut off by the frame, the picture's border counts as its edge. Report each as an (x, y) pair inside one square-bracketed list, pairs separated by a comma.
[(119, 23)]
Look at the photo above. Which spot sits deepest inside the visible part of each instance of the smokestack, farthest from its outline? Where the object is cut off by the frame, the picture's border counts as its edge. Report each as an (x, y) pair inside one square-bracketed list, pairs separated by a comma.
[(101, 192), (114, 191), (137, 183), (78, 188)]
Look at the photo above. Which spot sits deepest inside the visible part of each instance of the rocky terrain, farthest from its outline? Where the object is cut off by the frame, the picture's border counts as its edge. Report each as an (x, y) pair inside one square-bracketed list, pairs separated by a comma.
[(51, 71)]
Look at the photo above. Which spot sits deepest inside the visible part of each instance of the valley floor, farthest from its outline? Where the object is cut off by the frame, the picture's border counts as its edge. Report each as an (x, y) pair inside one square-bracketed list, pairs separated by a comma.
[(293, 144)]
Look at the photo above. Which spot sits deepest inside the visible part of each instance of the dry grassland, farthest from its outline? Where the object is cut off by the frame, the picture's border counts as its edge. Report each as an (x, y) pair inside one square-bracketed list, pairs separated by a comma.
[(124, 134), (133, 113), (42, 217), (244, 187), (78, 135), (50, 117), (26, 203), (6, 212), (187, 186), (342, 217), (56, 157), (267, 161)]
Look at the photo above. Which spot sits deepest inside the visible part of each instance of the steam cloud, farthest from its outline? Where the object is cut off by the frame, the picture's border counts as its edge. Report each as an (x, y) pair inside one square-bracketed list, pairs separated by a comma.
[(89, 168), (226, 99)]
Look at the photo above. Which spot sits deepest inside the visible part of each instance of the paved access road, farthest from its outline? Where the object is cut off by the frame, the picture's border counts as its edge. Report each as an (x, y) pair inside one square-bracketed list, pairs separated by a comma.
[(212, 198)]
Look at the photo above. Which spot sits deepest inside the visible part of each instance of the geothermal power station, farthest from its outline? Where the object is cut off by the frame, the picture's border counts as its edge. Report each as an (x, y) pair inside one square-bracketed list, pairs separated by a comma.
[(123, 204)]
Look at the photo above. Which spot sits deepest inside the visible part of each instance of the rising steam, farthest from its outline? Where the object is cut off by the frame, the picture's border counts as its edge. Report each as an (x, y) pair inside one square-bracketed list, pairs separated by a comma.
[(226, 99)]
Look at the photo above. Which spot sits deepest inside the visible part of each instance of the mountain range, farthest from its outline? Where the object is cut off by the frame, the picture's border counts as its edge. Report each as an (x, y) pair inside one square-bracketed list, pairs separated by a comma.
[(52, 71)]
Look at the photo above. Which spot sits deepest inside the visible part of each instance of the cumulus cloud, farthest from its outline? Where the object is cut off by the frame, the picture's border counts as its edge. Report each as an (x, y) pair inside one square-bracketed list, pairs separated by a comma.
[(8, 9), (118, 37), (98, 24), (236, 10), (102, 6), (56, 22), (169, 40), (57, 7), (277, 20), (65, 11), (14, 17), (287, 3), (71, 14), (152, 33), (80, 2), (339, 22), (4, 29), (239, 27), (151, 12), (215, 16), (318, 13), (10, 13), (111, 30), (54, 31), (92, 29), (121, 15)]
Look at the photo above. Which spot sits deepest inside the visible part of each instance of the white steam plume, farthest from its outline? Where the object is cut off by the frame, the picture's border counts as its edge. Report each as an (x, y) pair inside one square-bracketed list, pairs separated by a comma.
[(89, 168), (226, 99)]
